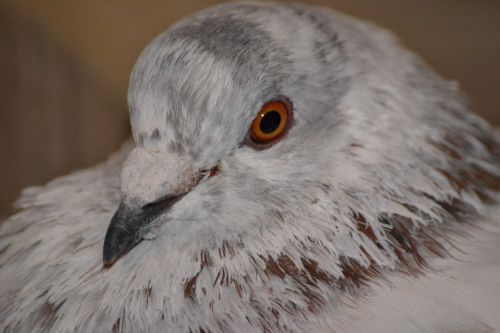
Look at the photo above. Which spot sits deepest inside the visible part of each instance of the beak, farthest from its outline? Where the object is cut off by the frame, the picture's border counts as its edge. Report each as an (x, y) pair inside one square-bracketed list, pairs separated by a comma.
[(129, 225)]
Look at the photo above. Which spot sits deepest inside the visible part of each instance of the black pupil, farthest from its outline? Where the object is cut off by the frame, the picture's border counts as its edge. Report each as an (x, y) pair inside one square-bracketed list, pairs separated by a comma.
[(270, 122)]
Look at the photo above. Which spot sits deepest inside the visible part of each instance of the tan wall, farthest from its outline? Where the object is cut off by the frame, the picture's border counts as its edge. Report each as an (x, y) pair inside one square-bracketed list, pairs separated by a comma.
[(64, 68)]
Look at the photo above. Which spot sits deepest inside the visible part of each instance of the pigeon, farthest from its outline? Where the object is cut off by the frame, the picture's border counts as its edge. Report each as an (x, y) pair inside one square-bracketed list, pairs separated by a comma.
[(292, 169)]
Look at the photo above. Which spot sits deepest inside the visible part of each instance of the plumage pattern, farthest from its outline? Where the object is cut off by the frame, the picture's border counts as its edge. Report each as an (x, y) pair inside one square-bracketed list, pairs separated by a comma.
[(384, 171)]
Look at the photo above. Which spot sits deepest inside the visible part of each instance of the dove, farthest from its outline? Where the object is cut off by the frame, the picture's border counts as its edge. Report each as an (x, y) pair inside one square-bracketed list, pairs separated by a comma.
[(292, 169)]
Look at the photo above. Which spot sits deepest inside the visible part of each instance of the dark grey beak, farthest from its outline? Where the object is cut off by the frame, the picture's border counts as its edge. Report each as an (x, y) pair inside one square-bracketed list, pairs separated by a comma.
[(129, 225)]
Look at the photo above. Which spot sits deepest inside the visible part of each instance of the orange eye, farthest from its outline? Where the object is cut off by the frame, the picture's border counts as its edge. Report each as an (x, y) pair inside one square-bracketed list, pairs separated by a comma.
[(271, 123)]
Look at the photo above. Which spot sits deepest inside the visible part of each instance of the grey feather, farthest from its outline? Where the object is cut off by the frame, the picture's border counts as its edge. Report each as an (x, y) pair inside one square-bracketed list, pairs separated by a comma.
[(384, 170)]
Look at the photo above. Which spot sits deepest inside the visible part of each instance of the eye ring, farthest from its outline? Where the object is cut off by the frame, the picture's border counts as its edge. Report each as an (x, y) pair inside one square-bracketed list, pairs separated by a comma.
[(271, 123)]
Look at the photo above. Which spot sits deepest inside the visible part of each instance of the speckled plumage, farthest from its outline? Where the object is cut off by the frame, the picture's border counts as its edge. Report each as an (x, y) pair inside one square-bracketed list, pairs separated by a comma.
[(384, 171)]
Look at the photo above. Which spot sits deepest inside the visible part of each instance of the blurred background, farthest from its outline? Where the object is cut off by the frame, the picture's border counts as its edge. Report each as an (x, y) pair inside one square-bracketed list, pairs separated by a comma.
[(64, 68)]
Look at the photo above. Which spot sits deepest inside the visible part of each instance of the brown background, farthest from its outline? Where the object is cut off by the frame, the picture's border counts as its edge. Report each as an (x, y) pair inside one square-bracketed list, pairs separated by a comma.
[(64, 68)]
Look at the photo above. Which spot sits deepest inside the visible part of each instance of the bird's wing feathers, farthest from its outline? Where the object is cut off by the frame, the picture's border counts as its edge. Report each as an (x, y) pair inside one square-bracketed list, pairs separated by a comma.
[(67, 219), (457, 294)]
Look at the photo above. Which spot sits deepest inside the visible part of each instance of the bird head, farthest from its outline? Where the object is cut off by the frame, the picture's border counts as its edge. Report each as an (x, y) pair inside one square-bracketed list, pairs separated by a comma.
[(229, 117)]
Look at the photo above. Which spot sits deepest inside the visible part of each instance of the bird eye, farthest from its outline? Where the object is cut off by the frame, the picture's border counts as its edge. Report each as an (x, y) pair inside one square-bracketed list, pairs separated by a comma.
[(271, 123)]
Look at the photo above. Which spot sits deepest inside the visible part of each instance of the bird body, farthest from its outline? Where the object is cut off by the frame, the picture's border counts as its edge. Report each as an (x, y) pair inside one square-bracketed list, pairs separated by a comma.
[(373, 209)]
